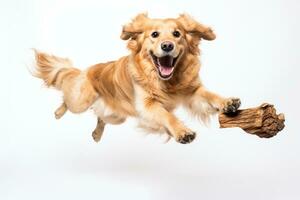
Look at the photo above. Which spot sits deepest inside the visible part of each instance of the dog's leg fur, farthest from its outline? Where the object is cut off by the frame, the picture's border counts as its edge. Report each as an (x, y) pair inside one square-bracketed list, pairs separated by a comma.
[(203, 103), (97, 133), (154, 112), (61, 110)]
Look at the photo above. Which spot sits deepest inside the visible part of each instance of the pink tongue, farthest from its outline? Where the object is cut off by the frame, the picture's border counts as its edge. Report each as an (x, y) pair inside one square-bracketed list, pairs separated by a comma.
[(165, 71)]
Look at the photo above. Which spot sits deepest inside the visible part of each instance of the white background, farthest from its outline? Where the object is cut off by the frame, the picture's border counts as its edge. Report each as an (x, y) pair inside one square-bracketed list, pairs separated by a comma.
[(255, 57)]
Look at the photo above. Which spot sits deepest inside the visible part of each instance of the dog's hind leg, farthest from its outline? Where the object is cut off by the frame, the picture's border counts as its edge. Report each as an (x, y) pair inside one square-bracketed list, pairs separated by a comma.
[(61, 110), (97, 133)]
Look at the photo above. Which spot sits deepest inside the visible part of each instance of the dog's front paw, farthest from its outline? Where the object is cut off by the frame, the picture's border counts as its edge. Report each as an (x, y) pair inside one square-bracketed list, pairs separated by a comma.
[(231, 105), (186, 138)]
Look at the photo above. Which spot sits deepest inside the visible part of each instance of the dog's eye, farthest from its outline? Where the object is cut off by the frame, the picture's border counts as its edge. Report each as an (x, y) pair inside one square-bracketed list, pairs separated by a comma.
[(176, 34), (155, 34)]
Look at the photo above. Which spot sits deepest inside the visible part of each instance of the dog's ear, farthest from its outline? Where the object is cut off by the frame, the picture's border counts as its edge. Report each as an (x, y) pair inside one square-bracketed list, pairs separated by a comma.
[(135, 27), (195, 28)]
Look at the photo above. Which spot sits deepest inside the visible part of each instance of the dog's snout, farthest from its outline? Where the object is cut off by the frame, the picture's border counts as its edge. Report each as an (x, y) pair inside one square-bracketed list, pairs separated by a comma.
[(167, 46)]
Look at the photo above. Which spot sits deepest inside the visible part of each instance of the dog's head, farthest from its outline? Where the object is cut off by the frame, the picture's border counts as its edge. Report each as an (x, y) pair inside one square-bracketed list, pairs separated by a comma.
[(165, 42)]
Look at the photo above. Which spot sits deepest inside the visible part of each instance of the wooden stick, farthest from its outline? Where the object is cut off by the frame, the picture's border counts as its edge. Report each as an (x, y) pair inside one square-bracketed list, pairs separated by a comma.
[(261, 121)]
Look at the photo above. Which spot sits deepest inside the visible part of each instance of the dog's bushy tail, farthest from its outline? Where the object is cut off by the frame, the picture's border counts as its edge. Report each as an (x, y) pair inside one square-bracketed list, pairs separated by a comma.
[(53, 70)]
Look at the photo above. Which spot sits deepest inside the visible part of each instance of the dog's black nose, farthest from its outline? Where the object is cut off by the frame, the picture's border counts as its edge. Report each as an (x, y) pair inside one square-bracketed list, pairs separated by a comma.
[(167, 46)]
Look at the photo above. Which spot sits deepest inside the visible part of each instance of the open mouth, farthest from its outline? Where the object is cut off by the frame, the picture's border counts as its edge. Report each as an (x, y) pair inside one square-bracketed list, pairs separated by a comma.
[(165, 65)]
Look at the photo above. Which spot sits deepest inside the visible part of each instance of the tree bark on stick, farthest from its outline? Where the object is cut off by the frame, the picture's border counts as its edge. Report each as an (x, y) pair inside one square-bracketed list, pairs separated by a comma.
[(261, 121)]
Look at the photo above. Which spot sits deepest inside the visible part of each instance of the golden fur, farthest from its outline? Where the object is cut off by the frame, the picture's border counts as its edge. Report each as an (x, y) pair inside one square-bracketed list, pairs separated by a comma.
[(138, 85)]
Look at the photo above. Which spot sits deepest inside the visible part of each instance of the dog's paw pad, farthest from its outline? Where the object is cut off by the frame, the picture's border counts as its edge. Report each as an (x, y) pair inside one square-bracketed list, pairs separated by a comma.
[(187, 138), (232, 105)]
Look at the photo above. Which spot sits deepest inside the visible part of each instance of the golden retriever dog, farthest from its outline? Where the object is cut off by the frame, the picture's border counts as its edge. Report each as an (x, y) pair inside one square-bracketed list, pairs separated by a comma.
[(160, 73)]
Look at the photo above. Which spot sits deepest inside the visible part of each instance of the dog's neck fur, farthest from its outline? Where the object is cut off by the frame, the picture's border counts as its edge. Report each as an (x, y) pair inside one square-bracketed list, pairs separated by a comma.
[(185, 79)]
